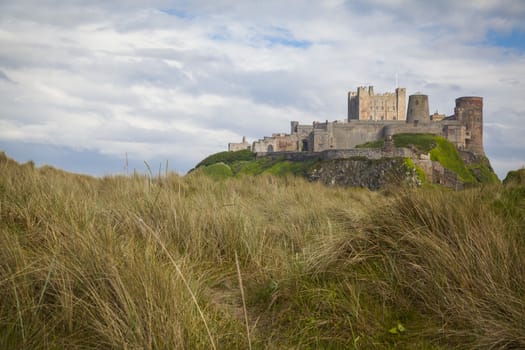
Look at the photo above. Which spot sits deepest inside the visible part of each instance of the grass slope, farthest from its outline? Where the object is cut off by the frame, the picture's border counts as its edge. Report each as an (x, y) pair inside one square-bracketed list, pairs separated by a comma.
[(142, 262), (242, 163), (444, 152), (227, 158)]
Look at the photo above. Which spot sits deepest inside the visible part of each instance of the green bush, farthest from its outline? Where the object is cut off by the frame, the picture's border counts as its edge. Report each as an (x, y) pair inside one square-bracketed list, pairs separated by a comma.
[(372, 144), (218, 170), (254, 167), (409, 163), (483, 172), (289, 168), (423, 142), (227, 157), (447, 154), (515, 177)]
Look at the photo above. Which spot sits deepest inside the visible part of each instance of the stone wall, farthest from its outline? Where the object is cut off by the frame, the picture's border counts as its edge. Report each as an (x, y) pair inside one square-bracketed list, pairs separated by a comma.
[(339, 135), (363, 104), (436, 173), (464, 129), (278, 143), (371, 153), (239, 146)]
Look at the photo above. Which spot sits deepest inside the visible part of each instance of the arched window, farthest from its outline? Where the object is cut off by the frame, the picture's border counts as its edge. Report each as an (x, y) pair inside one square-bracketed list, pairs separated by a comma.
[(270, 148)]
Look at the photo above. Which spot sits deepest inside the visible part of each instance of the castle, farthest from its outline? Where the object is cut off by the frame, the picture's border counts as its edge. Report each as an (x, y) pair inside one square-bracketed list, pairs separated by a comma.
[(373, 117)]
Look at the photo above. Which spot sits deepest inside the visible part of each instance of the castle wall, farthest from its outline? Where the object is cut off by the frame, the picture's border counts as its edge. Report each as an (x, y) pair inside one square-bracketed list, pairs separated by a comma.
[(464, 129), (347, 135), (456, 133), (432, 128), (278, 143), (370, 153), (351, 134), (238, 146)]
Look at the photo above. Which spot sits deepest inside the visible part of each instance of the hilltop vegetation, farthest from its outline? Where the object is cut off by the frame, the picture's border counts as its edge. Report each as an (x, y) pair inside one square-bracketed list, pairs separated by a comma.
[(240, 163), (157, 263), (515, 177), (444, 152)]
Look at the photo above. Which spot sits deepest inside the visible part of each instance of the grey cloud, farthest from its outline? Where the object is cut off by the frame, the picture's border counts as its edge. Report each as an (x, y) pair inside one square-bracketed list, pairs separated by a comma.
[(4, 77), (91, 161), (154, 68)]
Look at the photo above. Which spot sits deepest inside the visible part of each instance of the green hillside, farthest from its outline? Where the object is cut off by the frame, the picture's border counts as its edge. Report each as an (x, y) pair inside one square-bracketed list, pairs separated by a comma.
[(262, 262), (440, 149), (241, 163)]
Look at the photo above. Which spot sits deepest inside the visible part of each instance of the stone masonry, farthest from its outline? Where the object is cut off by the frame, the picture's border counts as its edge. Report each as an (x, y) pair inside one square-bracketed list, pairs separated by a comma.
[(464, 128)]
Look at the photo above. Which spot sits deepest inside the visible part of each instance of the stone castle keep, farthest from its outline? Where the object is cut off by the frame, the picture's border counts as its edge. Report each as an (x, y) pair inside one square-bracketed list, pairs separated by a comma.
[(373, 117)]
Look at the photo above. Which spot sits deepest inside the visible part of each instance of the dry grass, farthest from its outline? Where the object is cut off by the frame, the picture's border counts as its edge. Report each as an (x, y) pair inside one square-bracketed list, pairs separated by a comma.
[(263, 262)]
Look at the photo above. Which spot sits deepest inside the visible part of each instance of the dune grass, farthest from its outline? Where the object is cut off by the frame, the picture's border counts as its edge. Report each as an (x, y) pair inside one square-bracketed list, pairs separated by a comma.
[(193, 262)]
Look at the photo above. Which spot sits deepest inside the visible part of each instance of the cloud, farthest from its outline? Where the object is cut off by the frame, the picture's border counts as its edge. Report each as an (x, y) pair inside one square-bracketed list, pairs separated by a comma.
[(4, 77), (179, 80)]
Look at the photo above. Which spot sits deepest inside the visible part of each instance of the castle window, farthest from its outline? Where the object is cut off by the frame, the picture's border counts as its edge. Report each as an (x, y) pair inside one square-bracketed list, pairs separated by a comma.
[(305, 146)]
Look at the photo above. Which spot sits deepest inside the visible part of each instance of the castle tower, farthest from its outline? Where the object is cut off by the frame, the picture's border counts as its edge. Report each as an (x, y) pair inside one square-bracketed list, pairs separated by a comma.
[(365, 104), (400, 103), (359, 103), (469, 111), (293, 127), (418, 109)]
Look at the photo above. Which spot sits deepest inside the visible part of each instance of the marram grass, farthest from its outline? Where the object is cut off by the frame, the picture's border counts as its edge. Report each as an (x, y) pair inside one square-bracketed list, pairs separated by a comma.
[(171, 262)]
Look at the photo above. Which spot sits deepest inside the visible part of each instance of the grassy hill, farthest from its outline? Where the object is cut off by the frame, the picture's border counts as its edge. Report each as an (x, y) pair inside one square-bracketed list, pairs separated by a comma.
[(270, 262), (234, 164), (241, 163)]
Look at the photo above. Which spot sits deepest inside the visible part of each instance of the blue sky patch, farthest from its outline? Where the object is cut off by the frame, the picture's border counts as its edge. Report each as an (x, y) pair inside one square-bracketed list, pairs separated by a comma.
[(283, 36), (178, 13), (278, 40), (222, 36), (513, 40)]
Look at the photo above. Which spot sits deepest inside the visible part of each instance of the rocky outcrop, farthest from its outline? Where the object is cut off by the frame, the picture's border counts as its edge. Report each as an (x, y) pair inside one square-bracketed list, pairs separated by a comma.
[(363, 172)]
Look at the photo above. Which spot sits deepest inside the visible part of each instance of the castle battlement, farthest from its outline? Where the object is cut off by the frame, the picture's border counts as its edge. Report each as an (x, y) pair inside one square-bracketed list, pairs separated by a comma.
[(363, 104), (375, 117)]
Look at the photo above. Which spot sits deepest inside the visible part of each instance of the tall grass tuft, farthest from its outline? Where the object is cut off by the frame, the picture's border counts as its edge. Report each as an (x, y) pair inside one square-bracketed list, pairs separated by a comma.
[(155, 262)]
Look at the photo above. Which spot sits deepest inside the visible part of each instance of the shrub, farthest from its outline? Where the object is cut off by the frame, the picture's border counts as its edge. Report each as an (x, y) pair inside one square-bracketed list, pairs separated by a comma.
[(423, 142), (227, 157), (218, 170), (372, 144), (515, 177)]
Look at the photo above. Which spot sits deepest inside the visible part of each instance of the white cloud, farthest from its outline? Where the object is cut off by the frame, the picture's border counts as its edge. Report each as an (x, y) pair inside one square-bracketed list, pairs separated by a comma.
[(153, 78)]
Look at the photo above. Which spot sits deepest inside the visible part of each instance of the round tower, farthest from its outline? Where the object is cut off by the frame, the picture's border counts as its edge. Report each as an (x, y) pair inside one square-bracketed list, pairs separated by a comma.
[(418, 109), (469, 111)]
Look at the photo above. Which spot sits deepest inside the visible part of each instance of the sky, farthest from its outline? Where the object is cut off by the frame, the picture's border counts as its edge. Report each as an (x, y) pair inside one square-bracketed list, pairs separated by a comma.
[(103, 87)]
